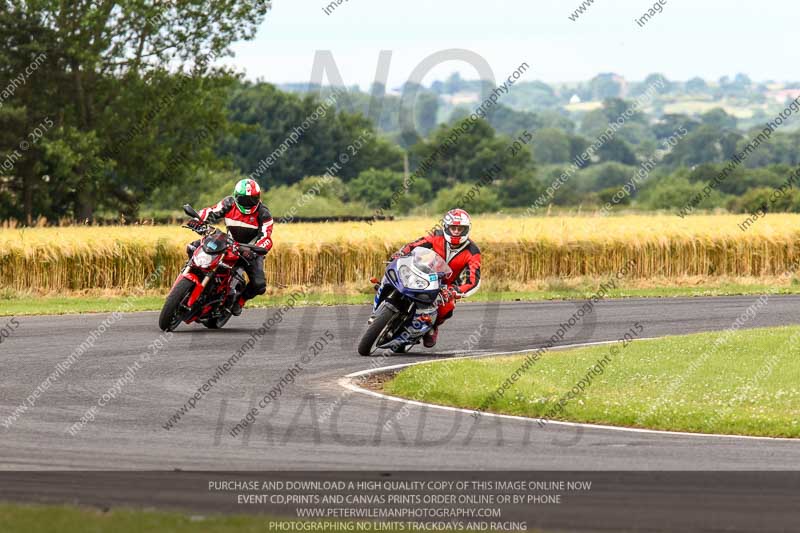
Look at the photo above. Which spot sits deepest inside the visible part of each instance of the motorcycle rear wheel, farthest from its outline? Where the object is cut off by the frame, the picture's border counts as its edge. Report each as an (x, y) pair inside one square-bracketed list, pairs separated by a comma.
[(376, 330), (173, 312)]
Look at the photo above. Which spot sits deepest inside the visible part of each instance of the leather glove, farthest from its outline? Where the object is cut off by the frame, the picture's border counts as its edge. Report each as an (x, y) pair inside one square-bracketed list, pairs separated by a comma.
[(246, 254), (449, 293), (194, 223), (397, 255)]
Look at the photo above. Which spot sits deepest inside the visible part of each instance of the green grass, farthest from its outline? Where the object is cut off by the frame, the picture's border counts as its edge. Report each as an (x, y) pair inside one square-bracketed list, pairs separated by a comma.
[(570, 293), (15, 518), (63, 519), (59, 305), (18, 305), (746, 385)]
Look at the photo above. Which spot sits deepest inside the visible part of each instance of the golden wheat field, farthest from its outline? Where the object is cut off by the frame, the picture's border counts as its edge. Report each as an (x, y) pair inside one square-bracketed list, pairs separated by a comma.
[(518, 250)]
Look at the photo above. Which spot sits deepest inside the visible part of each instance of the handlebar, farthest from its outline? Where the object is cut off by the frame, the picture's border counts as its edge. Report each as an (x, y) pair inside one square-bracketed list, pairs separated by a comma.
[(208, 229), (258, 250), (201, 229)]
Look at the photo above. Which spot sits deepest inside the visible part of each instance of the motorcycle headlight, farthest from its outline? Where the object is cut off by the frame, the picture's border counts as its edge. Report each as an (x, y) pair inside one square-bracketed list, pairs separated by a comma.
[(412, 280), (203, 259)]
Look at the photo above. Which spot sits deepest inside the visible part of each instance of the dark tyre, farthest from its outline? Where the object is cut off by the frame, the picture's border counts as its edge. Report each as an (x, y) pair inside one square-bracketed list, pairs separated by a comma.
[(376, 330), (173, 311), (217, 322)]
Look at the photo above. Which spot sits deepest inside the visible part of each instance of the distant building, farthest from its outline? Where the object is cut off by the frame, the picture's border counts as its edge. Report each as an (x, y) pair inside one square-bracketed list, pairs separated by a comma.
[(461, 98), (575, 99), (784, 94)]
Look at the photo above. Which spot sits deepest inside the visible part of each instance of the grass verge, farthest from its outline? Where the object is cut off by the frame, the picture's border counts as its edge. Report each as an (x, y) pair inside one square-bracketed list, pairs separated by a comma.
[(59, 305), (744, 383), (16, 518), (18, 304), (65, 519)]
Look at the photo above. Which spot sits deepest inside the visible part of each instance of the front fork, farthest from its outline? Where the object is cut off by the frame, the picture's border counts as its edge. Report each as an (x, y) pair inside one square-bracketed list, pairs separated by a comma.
[(378, 292), (199, 285), (379, 297), (198, 290)]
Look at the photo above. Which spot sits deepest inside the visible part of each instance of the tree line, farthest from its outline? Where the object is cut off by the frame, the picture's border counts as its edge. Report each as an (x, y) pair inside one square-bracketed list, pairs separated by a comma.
[(124, 114)]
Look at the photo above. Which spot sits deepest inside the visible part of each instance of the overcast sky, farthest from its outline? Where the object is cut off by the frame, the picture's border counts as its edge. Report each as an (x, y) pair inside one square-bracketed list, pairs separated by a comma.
[(706, 38)]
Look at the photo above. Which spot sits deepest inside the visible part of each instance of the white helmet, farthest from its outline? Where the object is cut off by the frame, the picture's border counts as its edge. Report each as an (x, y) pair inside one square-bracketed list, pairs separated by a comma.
[(457, 218)]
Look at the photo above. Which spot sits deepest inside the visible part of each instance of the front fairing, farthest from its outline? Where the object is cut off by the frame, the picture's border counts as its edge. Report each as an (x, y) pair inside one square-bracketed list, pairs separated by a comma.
[(213, 248), (402, 270), (204, 261), (418, 277)]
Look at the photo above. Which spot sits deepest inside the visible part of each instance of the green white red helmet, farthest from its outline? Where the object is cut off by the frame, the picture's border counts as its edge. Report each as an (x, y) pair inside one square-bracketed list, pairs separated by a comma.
[(460, 218), (247, 195)]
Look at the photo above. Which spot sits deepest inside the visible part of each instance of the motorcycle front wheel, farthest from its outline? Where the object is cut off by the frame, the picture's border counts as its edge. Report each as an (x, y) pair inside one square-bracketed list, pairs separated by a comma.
[(173, 311), (376, 330)]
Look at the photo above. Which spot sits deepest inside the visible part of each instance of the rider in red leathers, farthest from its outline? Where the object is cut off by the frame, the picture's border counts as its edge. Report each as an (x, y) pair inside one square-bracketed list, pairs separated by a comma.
[(452, 242), (248, 221)]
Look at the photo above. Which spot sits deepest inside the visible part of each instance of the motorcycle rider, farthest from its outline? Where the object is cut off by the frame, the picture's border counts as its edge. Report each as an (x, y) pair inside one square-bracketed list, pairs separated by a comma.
[(452, 242), (248, 221)]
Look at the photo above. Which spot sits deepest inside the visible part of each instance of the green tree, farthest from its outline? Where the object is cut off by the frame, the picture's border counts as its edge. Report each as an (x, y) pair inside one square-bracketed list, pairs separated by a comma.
[(764, 199), (118, 113), (696, 86), (739, 181), (702, 145), (284, 124), (617, 150), (520, 190), (596, 122), (511, 121), (463, 153), (605, 86), (674, 192), (612, 195), (465, 196), (569, 193), (578, 145), (782, 148), (718, 119), (427, 107), (375, 188), (603, 176), (551, 146), (558, 119), (310, 197), (658, 82), (671, 123), (535, 95), (614, 108)]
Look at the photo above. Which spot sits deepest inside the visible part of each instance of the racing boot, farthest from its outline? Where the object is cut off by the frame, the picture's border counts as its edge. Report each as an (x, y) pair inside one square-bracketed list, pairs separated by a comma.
[(429, 339), (236, 306)]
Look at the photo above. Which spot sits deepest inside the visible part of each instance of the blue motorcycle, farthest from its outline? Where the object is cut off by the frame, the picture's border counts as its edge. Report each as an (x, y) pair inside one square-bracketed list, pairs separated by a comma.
[(405, 303)]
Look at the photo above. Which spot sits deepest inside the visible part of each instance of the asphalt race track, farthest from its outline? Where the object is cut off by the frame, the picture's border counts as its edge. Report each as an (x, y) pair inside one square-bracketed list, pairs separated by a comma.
[(314, 423)]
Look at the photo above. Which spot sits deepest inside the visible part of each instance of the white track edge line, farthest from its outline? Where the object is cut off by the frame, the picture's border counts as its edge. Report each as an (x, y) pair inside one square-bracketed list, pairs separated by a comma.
[(347, 383)]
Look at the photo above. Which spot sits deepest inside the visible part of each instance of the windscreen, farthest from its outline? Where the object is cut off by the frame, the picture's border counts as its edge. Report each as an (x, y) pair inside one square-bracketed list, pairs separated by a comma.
[(430, 262), (216, 243)]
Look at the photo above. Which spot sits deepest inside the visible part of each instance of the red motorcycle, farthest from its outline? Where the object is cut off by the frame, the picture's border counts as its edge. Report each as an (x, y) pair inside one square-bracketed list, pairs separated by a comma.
[(211, 280)]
